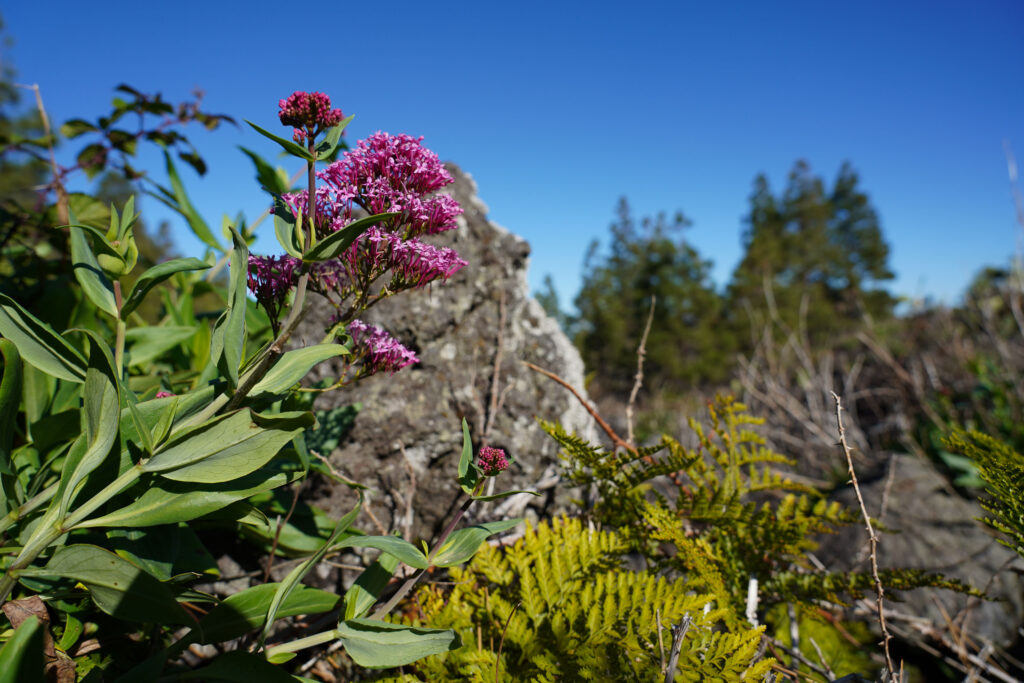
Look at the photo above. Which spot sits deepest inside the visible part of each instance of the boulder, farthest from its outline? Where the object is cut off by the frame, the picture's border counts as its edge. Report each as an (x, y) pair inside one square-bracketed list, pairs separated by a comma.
[(472, 335)]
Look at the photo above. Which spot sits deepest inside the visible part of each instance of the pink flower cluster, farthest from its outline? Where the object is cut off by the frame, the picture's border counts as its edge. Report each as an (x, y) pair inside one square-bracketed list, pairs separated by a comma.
[(377, 351), (270, 278), (394, 173), (491, 461), (309, 113)]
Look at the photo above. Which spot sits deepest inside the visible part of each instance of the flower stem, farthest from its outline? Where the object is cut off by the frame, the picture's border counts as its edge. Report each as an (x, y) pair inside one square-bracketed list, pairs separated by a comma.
[(411, 581)]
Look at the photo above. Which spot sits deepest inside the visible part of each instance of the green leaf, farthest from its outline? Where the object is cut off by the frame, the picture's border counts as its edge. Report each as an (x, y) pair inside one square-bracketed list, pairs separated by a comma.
[(393, 545), (229, 335), (72, 128), (247, 610), (117, 586), (185, 208), (364, 593), (503, 494), (228, 447), (38, 344), (90, 211), (154, 276), (380, 645), (146, 344), (293, 366), (161, 501), (266, 175), (468, 476), (102, 405), (337, 242), (285, 227), (295, 576), (90, 276), (141, 428), (330, 142), (289, 146), (238, 666), (21, 659), (463, 544), (10, 398)]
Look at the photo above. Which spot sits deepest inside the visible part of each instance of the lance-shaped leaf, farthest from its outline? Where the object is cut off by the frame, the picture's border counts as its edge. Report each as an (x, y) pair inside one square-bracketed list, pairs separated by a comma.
[(102, 407), (90, 276), (146, 344), (162, 501), (330, 142), (117, 586), (21, 658), (393, 545), (266, 175), (38, 344), (286, 228), (10, 397), (227, 447), (247, 610), (293, 366), (289, 146), (154, 276), (503, 494), (364, 593), (295, 576), (229, 333), (463, 544), (468, 476), (380, 645), (337, 242), (183, 206)]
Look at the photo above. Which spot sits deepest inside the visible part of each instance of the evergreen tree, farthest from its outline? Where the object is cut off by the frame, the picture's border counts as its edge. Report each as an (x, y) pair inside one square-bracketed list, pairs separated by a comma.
[(652, 259), (813, 258)]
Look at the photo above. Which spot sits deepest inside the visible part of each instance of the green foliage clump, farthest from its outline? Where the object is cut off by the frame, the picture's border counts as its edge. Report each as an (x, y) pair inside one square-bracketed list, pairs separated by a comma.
[(558, 605), (1002, 470)]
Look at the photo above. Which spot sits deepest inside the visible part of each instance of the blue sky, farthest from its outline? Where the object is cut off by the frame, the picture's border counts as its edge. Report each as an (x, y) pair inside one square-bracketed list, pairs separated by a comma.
[(558, 109)]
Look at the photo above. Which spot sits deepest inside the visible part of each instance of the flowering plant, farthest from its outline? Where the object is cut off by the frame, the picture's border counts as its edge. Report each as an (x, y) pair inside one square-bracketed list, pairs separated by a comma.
[(137, 447)]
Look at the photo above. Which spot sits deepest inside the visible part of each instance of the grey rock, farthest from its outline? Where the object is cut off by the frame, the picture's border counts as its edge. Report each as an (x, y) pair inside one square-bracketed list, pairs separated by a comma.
[(938, 531), (407, 437)]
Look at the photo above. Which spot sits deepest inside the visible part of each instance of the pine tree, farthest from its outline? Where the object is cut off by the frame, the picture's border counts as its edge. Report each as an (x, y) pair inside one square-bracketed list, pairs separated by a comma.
[(650, 259), (813, 257)]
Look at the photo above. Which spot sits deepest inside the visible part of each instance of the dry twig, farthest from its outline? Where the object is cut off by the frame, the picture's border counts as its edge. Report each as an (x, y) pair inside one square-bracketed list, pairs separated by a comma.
[(872, 538), (638, 382)]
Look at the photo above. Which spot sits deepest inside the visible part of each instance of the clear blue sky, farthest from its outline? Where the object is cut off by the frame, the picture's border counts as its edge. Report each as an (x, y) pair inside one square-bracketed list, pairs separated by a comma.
[(558, 109)]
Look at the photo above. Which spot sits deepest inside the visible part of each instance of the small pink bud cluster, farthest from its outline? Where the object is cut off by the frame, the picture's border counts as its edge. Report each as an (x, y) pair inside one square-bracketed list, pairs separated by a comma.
[(491, 461), (309, 113), (164, 394), (270, 279), (377, 350)]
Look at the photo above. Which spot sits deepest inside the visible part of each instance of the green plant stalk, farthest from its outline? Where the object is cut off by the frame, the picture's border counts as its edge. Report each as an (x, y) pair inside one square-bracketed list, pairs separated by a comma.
[(121, 329), (43, 538), (28, 506), (302, 643)]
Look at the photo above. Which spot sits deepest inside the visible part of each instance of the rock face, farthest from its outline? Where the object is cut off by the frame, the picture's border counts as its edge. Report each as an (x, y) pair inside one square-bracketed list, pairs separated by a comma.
[(936, 531), (471, 335)]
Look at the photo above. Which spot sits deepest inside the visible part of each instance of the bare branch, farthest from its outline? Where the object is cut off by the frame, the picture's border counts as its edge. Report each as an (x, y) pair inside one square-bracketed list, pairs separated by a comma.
[(638, 382)]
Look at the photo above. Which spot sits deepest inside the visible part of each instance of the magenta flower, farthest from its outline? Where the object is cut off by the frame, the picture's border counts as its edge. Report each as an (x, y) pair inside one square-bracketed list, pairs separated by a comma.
[(491, 461), (377, 351), (270, 280), (309, 113), (164, 394)]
